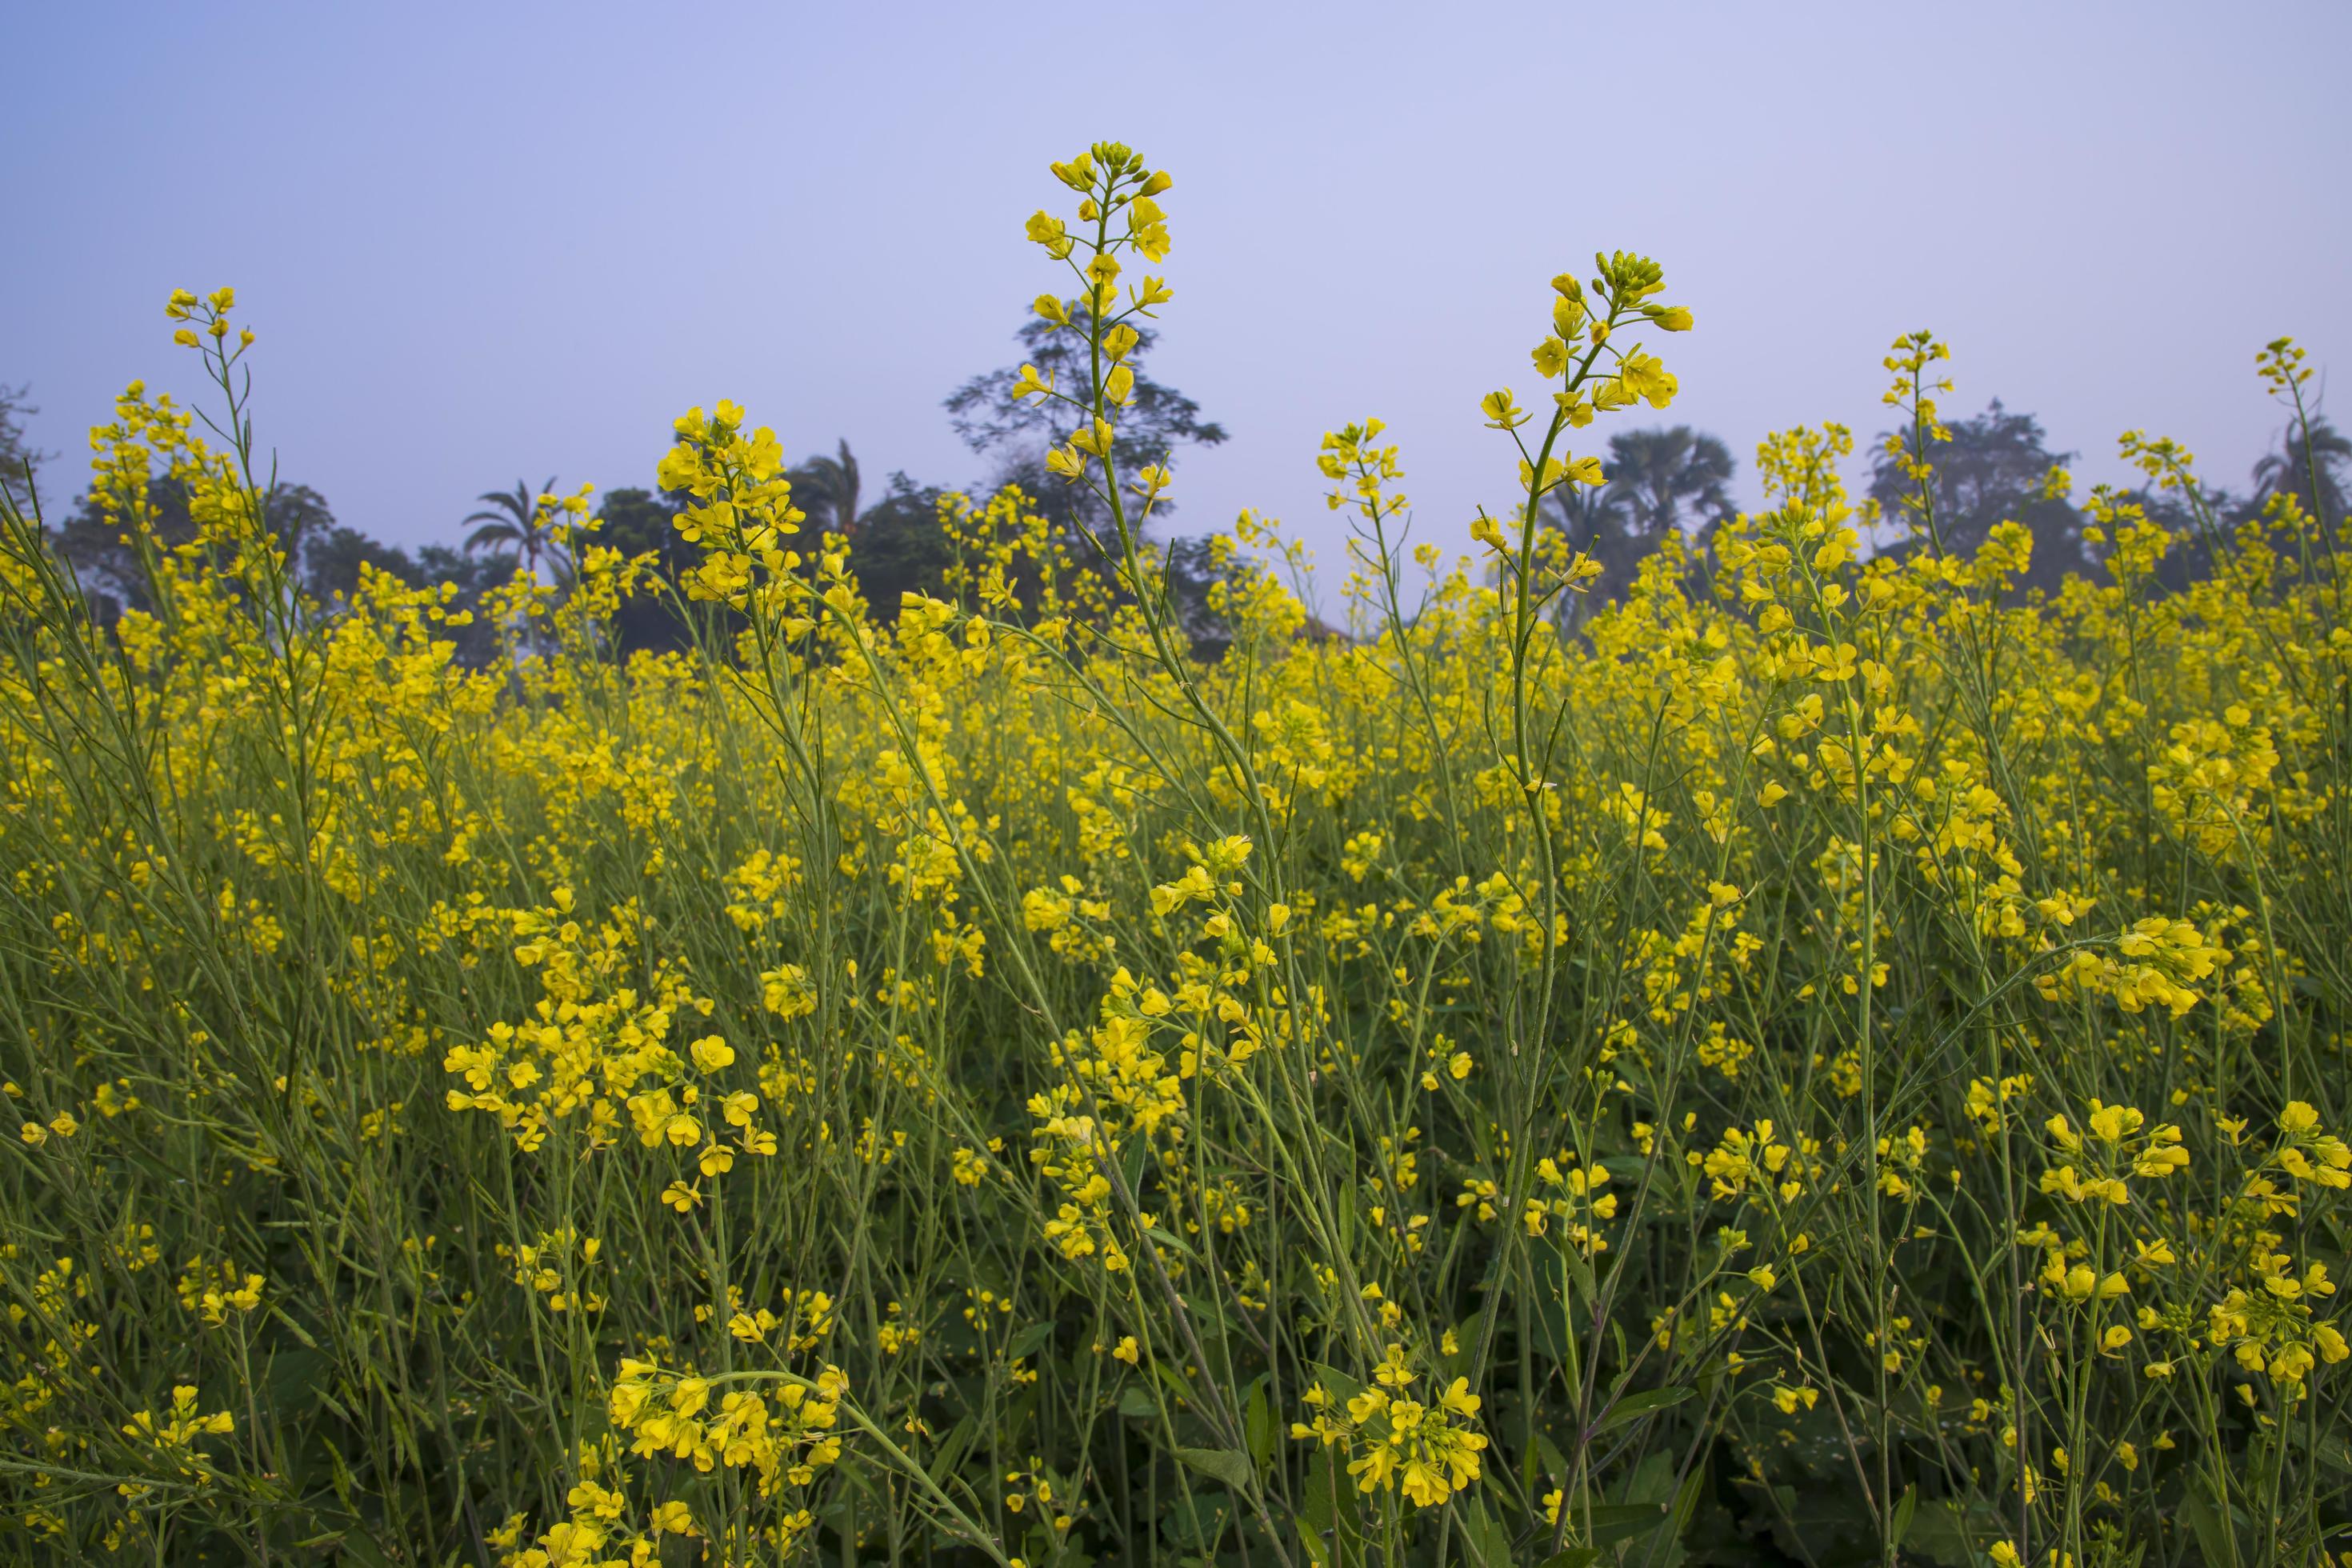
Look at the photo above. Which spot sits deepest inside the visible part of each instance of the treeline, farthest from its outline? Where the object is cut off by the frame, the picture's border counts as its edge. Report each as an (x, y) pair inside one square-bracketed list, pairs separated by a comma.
[(1994, 467), (1670, 481), (897, 535)]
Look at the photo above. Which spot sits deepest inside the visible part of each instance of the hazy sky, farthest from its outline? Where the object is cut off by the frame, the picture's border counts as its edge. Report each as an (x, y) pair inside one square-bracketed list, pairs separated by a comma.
[(484, 241)]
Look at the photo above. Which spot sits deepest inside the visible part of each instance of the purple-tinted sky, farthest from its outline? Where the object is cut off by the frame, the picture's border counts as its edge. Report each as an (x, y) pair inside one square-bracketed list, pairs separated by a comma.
[(486, 241)]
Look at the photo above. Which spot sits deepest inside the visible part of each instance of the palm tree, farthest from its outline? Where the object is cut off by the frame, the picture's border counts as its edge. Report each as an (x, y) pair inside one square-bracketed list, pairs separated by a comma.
[(1653, 476), (826, 489), (1655, 472), (2307, 453), (1598, 524), (512, 524), (1591, 515)]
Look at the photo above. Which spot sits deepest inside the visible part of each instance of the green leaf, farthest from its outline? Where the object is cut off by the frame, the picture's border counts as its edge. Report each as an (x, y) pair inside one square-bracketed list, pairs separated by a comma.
[(1694, 1487), (1611, 1522), (1199, 1524), (1258, 1422), (955, 1445), (1634, 1406), (1026, 1342), (1335, 1383), (1160, 1236), (1488, 1543), (1579, 1275), (1653, 1482), (1946, 1533), (1315, 1510), (1230, 1466), (1136, 1403), (363, 1551), (297, 1382), (1574, 1557), (1467, 1336), (2212, 1532), (1904, 1510)]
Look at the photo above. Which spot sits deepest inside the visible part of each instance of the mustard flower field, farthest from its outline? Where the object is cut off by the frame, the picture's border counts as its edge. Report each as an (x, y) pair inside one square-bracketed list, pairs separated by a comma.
[(1820, 1055)]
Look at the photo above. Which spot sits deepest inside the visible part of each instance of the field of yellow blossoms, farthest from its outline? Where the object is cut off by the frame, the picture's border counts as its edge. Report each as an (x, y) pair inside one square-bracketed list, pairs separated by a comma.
[(1828, 1061)]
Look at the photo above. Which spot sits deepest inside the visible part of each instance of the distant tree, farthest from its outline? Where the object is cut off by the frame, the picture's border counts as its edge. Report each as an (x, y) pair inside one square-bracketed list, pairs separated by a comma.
[(1660, 482), (1017, 432), (19, 460), (826, 489), (1598, 524), (511, 527), (96, 548), (1993, 470), (900, 547), (641, 521), (473, 576), (1192, 571), (645, 522), (2297, 465), (297, 515), (2192, 525), (332, 560), (1656, 475), (2200, 524)]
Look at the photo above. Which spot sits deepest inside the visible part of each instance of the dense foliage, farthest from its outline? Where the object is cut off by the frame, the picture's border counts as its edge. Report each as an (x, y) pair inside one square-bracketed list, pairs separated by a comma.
[(1831, 1057)]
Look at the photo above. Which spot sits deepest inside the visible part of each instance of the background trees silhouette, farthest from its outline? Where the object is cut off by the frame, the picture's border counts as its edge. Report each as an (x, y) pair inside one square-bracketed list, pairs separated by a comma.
[(18, 459), (827, 488), (2312, 471), (1995, 469), (1014, 433), (1666, 482)]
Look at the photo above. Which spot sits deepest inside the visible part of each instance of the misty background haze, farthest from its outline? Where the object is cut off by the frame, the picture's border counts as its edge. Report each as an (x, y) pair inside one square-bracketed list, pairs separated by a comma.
[(480, 242)]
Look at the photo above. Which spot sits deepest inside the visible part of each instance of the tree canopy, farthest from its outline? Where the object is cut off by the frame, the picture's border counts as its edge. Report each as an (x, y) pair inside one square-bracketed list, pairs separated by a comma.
[(1995, 468), (1016, 432), (19, 462), (92, 541), (1672, 480), (2308, 466)]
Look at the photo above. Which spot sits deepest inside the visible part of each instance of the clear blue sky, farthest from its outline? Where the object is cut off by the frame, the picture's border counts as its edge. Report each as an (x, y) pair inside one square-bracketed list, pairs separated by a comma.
[(487, 241)]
